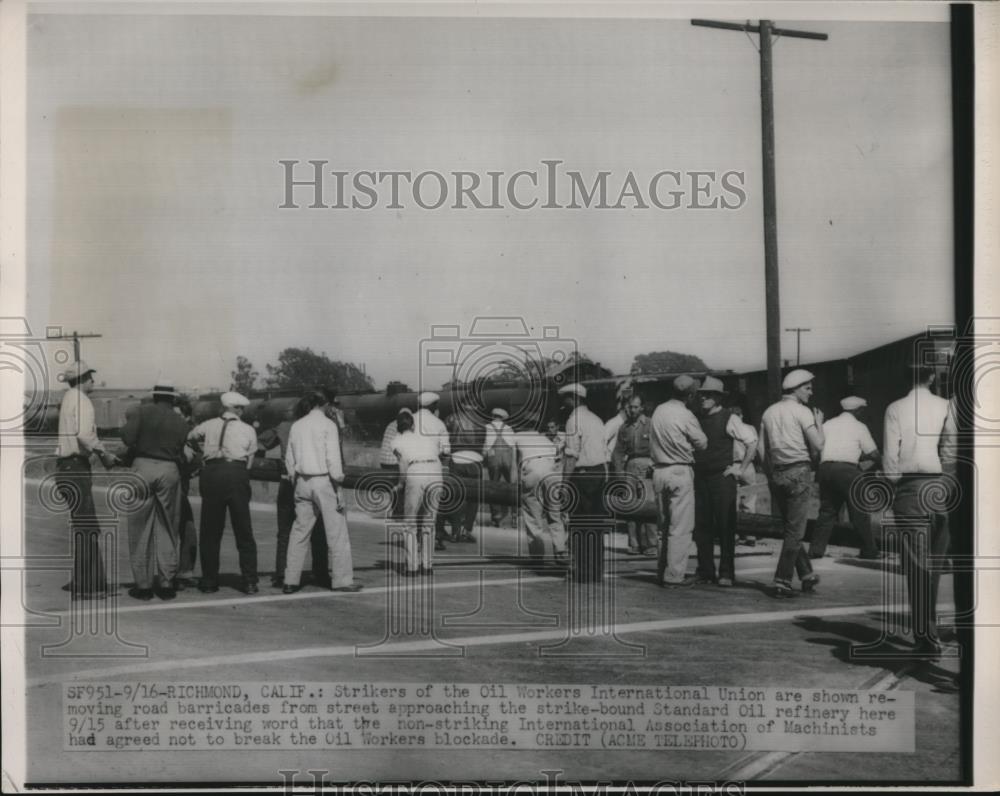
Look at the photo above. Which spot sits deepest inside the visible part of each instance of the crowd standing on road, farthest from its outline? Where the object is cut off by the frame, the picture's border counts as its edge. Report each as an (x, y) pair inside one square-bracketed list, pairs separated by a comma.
[(689, 457)]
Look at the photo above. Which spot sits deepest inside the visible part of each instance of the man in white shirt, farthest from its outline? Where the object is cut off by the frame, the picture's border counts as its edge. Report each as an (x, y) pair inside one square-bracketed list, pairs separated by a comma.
[(420, 468), (228, 445), (585, 468), (538, 479), (314, 463), (675, 435), (498, 453), (846, 442), (790, 438), (77, 443), (920, 434)]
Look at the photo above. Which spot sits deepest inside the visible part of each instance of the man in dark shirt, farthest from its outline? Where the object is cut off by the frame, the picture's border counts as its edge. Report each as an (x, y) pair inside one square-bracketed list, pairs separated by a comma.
[(715, 487), (156, 435), (631, 456), (467, 440)]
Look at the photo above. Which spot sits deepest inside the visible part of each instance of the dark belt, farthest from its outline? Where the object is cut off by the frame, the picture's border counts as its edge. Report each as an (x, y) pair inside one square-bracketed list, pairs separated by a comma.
[(307, 476), (78, 456), (155, 458), (673, 464), (789, 466), (241, 462), (589, 467), (426, 461)]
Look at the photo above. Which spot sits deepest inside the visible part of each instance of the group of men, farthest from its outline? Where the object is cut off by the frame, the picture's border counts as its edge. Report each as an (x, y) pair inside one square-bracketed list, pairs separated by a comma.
[(690, 456), (163, 450)]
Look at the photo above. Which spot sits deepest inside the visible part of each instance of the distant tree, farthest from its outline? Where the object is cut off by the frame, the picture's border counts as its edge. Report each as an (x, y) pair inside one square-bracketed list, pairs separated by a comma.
[(303, 369), (244, 377), (666, 362)]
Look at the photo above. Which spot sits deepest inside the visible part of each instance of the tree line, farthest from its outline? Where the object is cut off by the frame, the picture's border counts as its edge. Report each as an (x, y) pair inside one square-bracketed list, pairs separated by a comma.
[(303, 369)]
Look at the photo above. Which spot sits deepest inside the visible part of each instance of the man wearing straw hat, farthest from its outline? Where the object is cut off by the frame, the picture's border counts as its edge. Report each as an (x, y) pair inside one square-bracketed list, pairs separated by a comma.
[(77, 443), (156, 435)]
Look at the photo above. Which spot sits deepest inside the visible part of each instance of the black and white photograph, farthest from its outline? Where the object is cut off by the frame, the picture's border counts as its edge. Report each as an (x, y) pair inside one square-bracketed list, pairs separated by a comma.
[(492, 397)]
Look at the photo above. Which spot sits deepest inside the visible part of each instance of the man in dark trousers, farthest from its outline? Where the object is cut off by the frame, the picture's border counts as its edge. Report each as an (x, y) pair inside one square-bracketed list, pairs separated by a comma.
[(715, 484), (467, 440), (229, 446), (156, 435), (585, 467), (846, 441), (77, 443), (791, 438), (920, 449)]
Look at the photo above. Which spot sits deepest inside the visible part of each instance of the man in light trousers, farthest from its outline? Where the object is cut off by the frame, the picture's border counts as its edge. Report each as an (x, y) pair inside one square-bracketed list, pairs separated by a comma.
[(674, 436), (314, 463)]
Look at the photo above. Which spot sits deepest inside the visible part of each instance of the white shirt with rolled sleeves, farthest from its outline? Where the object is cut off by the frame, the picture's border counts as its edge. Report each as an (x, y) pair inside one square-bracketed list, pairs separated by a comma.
[(412, 448), (846, 439), (611, 429), (428, 424), (77, 427), (314, 447), (744, 437), (240, 441), (385, 455), (920, 434), (783, 432), (534, 445), (585, 438)]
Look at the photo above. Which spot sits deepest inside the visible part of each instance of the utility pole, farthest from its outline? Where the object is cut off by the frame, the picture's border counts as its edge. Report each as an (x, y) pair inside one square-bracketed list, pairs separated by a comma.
[(766, 30), (75, 337), (798, 342)]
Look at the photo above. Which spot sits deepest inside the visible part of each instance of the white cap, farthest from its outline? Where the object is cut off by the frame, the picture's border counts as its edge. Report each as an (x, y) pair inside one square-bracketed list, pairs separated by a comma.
[(428, 398), (232, 400), (853, 402), (77, 371), (501, 413), (796, 379), (573, 389)]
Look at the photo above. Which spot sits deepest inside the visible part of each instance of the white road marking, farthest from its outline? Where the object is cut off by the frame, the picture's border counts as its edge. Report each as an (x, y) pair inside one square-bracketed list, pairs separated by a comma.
[(527, 578), (346, 650)]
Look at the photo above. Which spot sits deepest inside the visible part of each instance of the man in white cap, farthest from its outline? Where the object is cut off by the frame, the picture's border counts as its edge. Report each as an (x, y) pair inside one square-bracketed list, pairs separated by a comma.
[(498, 452), (846, 442), (426, 421), (156, 435), (228, 446), (314, 463), (675, 435), (920, 448), (77, 443), (715, 483), (585, 467), (791, 437)]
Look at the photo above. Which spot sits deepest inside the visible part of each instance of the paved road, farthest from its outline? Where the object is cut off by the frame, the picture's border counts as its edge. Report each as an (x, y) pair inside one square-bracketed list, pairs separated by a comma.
[(496, 619)]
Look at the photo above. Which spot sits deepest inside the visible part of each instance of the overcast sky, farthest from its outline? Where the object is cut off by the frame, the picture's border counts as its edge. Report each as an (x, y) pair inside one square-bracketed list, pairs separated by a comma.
[(155, 185)]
